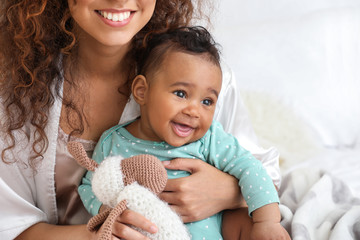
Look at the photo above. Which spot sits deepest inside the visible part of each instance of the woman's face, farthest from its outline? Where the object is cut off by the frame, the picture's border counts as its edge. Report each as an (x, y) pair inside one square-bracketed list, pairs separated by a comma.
[(111, 22)]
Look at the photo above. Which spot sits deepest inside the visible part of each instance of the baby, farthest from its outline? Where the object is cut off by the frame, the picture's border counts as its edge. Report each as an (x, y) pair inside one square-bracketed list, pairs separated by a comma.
[(177, 88)]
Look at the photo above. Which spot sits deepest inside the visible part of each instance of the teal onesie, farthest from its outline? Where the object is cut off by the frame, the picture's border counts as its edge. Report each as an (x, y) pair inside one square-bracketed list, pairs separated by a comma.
[(216, 147)]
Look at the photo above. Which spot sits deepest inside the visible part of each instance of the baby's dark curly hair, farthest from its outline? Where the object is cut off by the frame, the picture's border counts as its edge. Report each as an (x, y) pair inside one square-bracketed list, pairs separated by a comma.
[(193, 40), (35, 36)]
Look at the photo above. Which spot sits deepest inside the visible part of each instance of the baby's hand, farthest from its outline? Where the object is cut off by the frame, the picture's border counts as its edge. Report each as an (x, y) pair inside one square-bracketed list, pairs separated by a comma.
[(267, 225), (268, 231)]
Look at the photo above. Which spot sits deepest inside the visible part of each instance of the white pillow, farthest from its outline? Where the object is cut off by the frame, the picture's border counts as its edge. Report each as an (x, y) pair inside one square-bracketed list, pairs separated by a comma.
[(277, 125)]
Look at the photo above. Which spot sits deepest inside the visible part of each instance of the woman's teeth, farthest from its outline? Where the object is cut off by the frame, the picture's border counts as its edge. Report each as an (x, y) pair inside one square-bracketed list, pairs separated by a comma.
[(116, 17)]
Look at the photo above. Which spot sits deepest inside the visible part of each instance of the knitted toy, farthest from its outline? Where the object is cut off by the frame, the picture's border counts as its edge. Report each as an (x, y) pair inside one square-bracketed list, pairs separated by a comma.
[(130, 183)]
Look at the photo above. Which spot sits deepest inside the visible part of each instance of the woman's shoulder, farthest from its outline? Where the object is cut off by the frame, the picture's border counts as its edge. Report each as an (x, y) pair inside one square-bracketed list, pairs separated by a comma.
[(227, 74)]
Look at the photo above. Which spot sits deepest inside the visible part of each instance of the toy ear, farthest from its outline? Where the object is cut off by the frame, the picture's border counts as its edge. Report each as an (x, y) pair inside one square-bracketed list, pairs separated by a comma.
[(139, 88), (145, 169), (77, 150)]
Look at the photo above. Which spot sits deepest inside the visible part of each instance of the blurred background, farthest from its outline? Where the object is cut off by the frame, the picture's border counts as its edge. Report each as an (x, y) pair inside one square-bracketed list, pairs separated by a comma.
[(297, 64)]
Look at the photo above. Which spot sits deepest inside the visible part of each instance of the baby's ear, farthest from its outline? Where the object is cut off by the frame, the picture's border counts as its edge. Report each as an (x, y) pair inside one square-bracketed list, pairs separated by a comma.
[(139, 89)]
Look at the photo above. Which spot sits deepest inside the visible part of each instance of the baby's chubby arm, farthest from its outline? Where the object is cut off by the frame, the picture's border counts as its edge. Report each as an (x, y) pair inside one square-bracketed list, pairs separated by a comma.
[(267, 225)]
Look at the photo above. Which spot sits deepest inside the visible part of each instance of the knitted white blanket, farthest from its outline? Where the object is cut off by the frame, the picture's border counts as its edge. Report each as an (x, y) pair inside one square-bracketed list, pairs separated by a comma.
[(315, 205)]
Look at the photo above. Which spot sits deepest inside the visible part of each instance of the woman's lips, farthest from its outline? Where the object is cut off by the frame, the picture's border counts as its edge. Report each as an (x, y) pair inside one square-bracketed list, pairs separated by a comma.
[(115, 18)]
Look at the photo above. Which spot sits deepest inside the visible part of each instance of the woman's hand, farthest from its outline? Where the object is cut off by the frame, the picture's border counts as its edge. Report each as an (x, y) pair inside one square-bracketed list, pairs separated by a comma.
[(202, 194), (122, 230)]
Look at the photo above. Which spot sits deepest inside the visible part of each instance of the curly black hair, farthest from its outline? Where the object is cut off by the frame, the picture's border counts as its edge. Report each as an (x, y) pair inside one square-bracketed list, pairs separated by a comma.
[(192, 40), (34, 38)]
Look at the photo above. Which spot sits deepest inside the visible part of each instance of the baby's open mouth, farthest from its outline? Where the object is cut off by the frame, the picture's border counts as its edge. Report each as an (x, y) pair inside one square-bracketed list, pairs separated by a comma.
[(182, 130)]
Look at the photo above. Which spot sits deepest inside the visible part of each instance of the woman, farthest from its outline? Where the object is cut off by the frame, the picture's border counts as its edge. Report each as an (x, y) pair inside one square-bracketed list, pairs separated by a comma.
[(65, 70)]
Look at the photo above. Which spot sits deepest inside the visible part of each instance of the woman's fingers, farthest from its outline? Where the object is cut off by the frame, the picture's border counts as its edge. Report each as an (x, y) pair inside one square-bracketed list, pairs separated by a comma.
[(168, 197), (185, 218), (189, 165), (122, 229), (177, 184), (205, 192), (187, 211)]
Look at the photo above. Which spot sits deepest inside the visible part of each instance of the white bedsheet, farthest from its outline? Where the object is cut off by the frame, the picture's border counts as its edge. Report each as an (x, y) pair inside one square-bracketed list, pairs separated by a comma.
[(344, 164), (320, 197)]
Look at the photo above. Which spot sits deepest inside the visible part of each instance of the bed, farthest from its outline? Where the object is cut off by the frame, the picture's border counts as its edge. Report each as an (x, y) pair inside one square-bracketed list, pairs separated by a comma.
[(297, 64)]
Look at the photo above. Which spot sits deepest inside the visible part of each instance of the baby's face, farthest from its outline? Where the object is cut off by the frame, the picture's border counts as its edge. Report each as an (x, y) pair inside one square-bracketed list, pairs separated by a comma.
[(181, 99)]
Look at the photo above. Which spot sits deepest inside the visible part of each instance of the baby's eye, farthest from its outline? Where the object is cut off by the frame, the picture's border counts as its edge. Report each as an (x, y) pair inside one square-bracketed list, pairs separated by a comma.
[(207, 102), (180, 93)]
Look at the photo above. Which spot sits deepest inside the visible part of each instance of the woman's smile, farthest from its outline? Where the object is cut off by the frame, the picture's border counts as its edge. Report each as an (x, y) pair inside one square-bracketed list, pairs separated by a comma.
[(115, 16), (110, 23)]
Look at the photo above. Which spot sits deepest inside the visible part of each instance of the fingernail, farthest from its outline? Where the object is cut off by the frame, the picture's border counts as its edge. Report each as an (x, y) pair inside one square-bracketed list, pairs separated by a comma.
[(166, 163), (153, 229)]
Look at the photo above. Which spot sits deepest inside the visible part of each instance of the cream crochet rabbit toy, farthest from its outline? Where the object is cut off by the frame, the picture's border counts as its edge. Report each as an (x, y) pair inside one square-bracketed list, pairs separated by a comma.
[(130, 183)]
